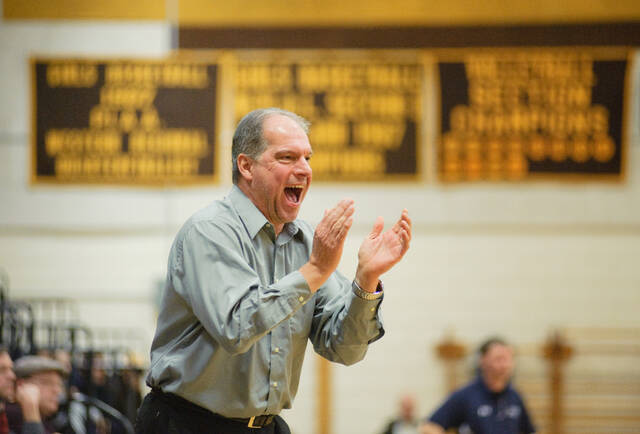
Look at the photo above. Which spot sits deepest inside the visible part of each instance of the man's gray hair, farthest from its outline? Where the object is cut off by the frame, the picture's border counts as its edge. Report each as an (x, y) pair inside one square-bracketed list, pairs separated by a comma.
[(248, 138)]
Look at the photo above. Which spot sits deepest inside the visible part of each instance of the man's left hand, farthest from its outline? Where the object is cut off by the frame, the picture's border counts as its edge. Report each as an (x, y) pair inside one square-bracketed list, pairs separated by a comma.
[(380, 251)]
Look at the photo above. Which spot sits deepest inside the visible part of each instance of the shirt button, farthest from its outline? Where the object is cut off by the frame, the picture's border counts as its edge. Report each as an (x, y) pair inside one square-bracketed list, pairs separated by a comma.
[(301, 299), (373, 309), (276, 350), (275, 384)]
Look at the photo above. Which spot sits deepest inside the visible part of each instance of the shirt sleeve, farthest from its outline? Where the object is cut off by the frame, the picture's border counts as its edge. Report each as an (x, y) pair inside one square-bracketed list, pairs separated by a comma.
[(226, 294), (343, 323), (449, 414)]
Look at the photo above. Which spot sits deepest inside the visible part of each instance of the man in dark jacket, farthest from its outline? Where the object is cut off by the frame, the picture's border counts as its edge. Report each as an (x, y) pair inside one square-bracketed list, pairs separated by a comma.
[(489, 404)]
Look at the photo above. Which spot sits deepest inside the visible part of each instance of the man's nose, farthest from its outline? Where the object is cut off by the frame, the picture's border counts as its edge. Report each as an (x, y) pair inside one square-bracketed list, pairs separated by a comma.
[(303, 167)]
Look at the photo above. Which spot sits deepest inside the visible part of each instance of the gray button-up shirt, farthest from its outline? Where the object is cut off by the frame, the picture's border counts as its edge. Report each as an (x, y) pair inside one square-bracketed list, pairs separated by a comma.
[(236, 313)]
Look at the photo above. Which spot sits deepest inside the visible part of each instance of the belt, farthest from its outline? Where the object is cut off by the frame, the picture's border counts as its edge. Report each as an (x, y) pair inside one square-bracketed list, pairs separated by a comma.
[(175, 400), (254, 421)]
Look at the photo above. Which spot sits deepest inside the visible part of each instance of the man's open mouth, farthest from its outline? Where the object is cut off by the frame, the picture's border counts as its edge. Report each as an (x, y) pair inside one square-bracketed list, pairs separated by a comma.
[(293, 192)]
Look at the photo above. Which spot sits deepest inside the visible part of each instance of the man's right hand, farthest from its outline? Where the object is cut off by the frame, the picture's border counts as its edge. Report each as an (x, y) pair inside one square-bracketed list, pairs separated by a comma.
[(28, 396), (328, 242)]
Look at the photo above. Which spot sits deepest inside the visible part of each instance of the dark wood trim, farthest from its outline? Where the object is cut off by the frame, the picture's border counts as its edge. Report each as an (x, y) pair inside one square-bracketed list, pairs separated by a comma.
[(593, 34)]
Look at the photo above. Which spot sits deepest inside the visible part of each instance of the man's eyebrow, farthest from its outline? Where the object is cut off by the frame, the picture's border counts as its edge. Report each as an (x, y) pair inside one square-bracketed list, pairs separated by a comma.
[(292, 151), (285, 150)]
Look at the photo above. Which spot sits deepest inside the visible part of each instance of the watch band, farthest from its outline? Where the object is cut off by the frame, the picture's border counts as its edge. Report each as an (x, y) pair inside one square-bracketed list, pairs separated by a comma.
[(368, 295)]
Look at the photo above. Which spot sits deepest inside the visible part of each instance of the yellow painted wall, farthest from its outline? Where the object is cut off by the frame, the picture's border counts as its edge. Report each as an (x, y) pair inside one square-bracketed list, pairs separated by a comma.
[(403, 12), (82, 9), (331, 12)]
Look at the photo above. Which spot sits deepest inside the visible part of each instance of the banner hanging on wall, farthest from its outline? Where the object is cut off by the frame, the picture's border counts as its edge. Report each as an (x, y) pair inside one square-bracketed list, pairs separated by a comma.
[(126, 122), (364, 112), (522, 114)]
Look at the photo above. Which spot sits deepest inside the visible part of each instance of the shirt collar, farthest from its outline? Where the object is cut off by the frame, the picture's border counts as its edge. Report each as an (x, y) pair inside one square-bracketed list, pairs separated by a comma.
[(251, 216)]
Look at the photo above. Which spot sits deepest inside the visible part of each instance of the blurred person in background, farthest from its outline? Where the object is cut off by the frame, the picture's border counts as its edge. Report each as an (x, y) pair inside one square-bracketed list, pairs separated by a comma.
[(248, 285), (405, 422), (488, 404), (39, 388), (7, 387)]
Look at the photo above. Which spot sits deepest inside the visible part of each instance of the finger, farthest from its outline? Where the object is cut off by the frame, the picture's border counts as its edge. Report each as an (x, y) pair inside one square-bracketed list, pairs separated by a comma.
[(409, 223), (377, 228), (405, 216), (344, 229), (339, 225), (406, 240), (403, 222), (329, 222), (406, 226), (344, 206)]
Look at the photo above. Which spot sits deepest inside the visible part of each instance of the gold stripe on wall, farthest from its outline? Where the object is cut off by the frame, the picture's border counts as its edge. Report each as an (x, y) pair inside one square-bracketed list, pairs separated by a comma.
[(324, 396), (82, 9), (332, 12), (403, 12)]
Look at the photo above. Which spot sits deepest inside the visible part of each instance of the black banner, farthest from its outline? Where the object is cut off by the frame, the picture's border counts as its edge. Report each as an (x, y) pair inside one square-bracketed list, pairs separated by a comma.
[(364, 114), (124, 122), (524, 114)]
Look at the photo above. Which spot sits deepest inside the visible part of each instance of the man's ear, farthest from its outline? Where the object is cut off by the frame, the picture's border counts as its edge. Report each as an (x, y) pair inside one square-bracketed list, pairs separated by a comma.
[(245, 166)]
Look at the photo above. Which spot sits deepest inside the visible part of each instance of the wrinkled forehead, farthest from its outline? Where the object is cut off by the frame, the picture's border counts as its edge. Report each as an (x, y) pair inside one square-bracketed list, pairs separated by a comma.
[(277, 126)]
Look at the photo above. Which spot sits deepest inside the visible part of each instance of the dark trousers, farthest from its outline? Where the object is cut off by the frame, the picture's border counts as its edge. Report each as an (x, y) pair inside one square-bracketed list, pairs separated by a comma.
[(167, 414)]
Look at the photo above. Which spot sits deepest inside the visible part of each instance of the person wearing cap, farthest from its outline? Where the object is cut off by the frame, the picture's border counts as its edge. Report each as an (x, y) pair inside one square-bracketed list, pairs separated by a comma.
[(39, 386), (249, 285)]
